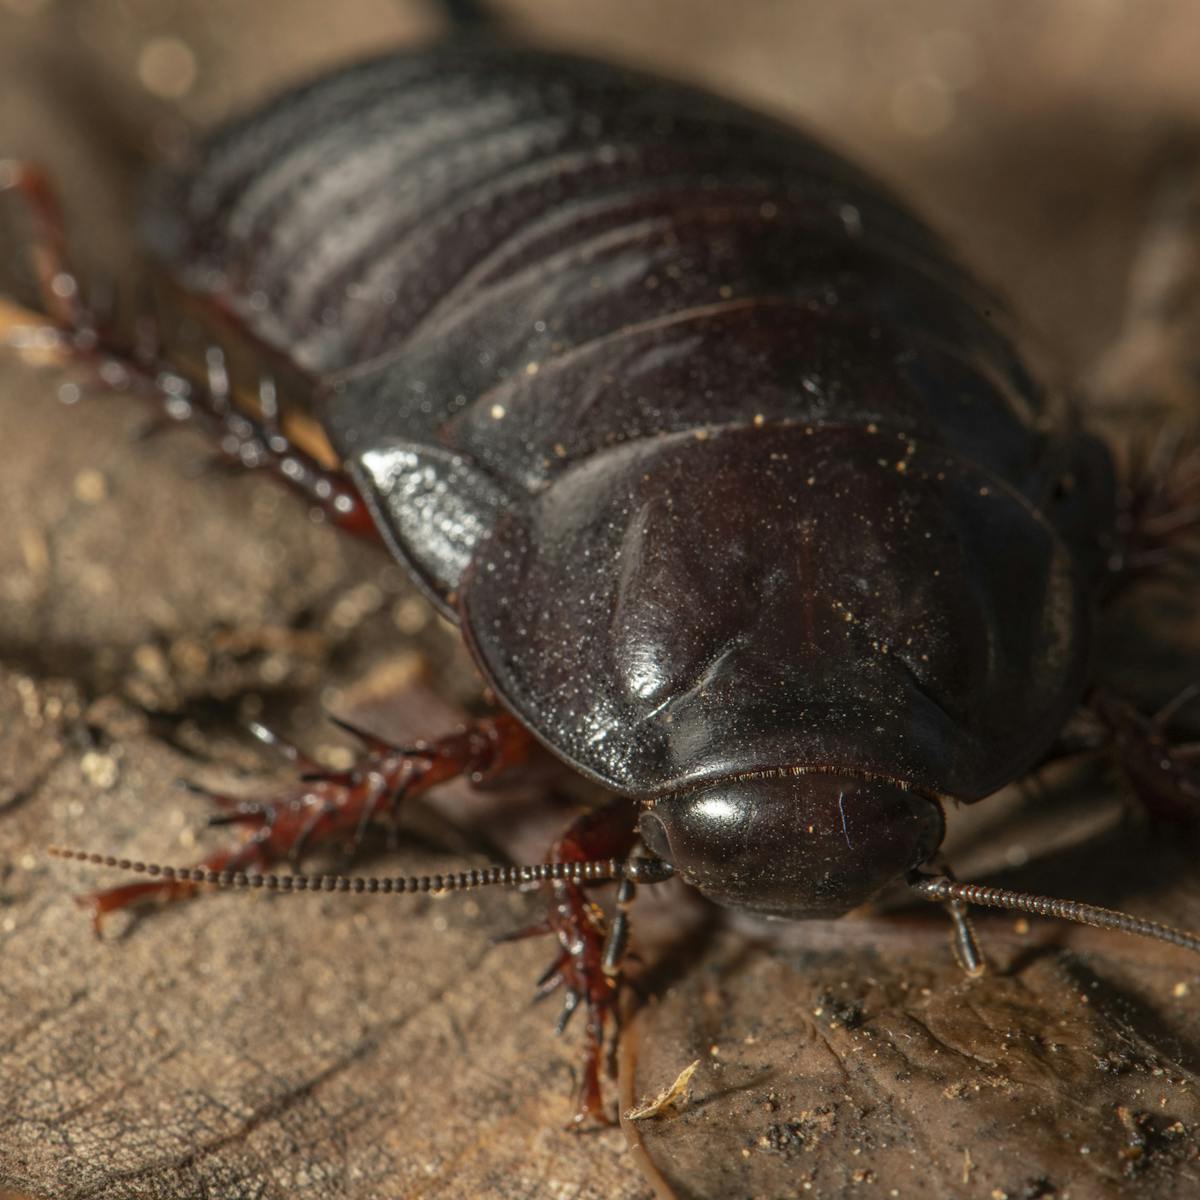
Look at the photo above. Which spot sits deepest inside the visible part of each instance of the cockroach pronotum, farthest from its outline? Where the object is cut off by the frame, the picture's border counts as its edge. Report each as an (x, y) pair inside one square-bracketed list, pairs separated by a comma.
[(744, 501)]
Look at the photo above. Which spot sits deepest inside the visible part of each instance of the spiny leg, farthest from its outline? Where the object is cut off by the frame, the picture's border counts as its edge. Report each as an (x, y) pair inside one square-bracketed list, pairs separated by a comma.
[(336, 807), (1163, 773), (587, 967), (1158, 515), (1157, 536), (140, 368), (57, 282)]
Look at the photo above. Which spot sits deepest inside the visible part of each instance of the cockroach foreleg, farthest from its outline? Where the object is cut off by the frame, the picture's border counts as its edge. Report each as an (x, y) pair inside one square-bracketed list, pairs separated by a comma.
[(963, 939), (336, 808), (587, 967)]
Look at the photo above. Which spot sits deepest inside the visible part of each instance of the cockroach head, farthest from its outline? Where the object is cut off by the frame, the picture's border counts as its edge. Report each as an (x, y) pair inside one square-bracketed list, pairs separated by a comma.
[(794, 843)]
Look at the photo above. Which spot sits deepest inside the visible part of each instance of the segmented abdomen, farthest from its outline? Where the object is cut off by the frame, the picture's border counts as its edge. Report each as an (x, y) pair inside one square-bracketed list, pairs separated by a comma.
[(499, 261)]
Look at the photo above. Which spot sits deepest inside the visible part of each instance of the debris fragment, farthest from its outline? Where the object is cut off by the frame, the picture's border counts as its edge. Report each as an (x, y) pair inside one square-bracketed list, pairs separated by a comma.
[(668, 1100)]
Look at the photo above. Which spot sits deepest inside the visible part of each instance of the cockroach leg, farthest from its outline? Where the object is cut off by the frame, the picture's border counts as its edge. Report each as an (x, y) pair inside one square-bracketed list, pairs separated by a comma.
[(587, 967), (84, 334), (249, 855), (334, 808), (1158, 513), (242, 443), (617, 942), (57, 282), (963, 939), (1164, 774), (964, 942), (285, 747)]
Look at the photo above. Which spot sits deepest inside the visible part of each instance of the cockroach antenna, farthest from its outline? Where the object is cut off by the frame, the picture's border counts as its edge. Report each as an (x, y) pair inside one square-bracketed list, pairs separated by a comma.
[(635, 870), (940, 889)]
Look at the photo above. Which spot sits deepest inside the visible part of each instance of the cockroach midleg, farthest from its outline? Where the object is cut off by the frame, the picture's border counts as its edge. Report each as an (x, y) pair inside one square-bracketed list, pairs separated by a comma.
[(587, 968), (332, 808), (1158, 513), (246, 856), (1164, 774)]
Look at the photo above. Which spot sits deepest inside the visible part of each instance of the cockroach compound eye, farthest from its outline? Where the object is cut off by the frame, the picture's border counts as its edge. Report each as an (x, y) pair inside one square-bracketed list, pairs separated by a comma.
[(743, 500)]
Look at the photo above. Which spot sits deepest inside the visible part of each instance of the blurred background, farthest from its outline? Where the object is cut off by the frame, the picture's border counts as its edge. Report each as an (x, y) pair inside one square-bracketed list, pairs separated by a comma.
[(1027, 130)]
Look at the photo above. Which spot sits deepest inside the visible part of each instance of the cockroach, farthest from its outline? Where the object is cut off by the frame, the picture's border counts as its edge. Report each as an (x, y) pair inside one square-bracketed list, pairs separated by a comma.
[(744, 501)]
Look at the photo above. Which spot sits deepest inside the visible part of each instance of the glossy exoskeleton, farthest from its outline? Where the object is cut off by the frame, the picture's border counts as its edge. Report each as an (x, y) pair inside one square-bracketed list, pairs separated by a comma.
[(744, 501)]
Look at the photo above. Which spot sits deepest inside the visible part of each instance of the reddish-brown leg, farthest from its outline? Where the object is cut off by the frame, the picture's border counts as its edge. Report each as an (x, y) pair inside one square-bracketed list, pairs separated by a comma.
[(48, 253), (253, 443), (587, 967), (335, 808), (1157, 531), (1163, 773), (1158, 517)]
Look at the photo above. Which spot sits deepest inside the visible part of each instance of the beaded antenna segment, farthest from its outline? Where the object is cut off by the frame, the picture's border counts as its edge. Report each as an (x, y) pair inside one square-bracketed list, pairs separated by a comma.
[(637, 870), (940, 889)]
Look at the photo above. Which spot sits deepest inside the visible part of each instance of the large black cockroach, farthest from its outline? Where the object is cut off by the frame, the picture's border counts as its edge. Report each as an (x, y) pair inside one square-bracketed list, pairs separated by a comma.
[(743, 500)]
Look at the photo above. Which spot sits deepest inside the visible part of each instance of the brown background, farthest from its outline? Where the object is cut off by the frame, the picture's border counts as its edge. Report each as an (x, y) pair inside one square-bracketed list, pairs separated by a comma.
[(329, 1048)]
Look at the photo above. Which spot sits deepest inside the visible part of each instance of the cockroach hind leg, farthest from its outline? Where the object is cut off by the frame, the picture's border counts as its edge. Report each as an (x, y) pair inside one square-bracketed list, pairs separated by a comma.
[(83, 329)]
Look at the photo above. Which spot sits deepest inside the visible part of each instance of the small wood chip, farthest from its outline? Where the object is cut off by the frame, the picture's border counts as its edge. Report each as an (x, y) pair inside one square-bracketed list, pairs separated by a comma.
[(668, 1100)]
